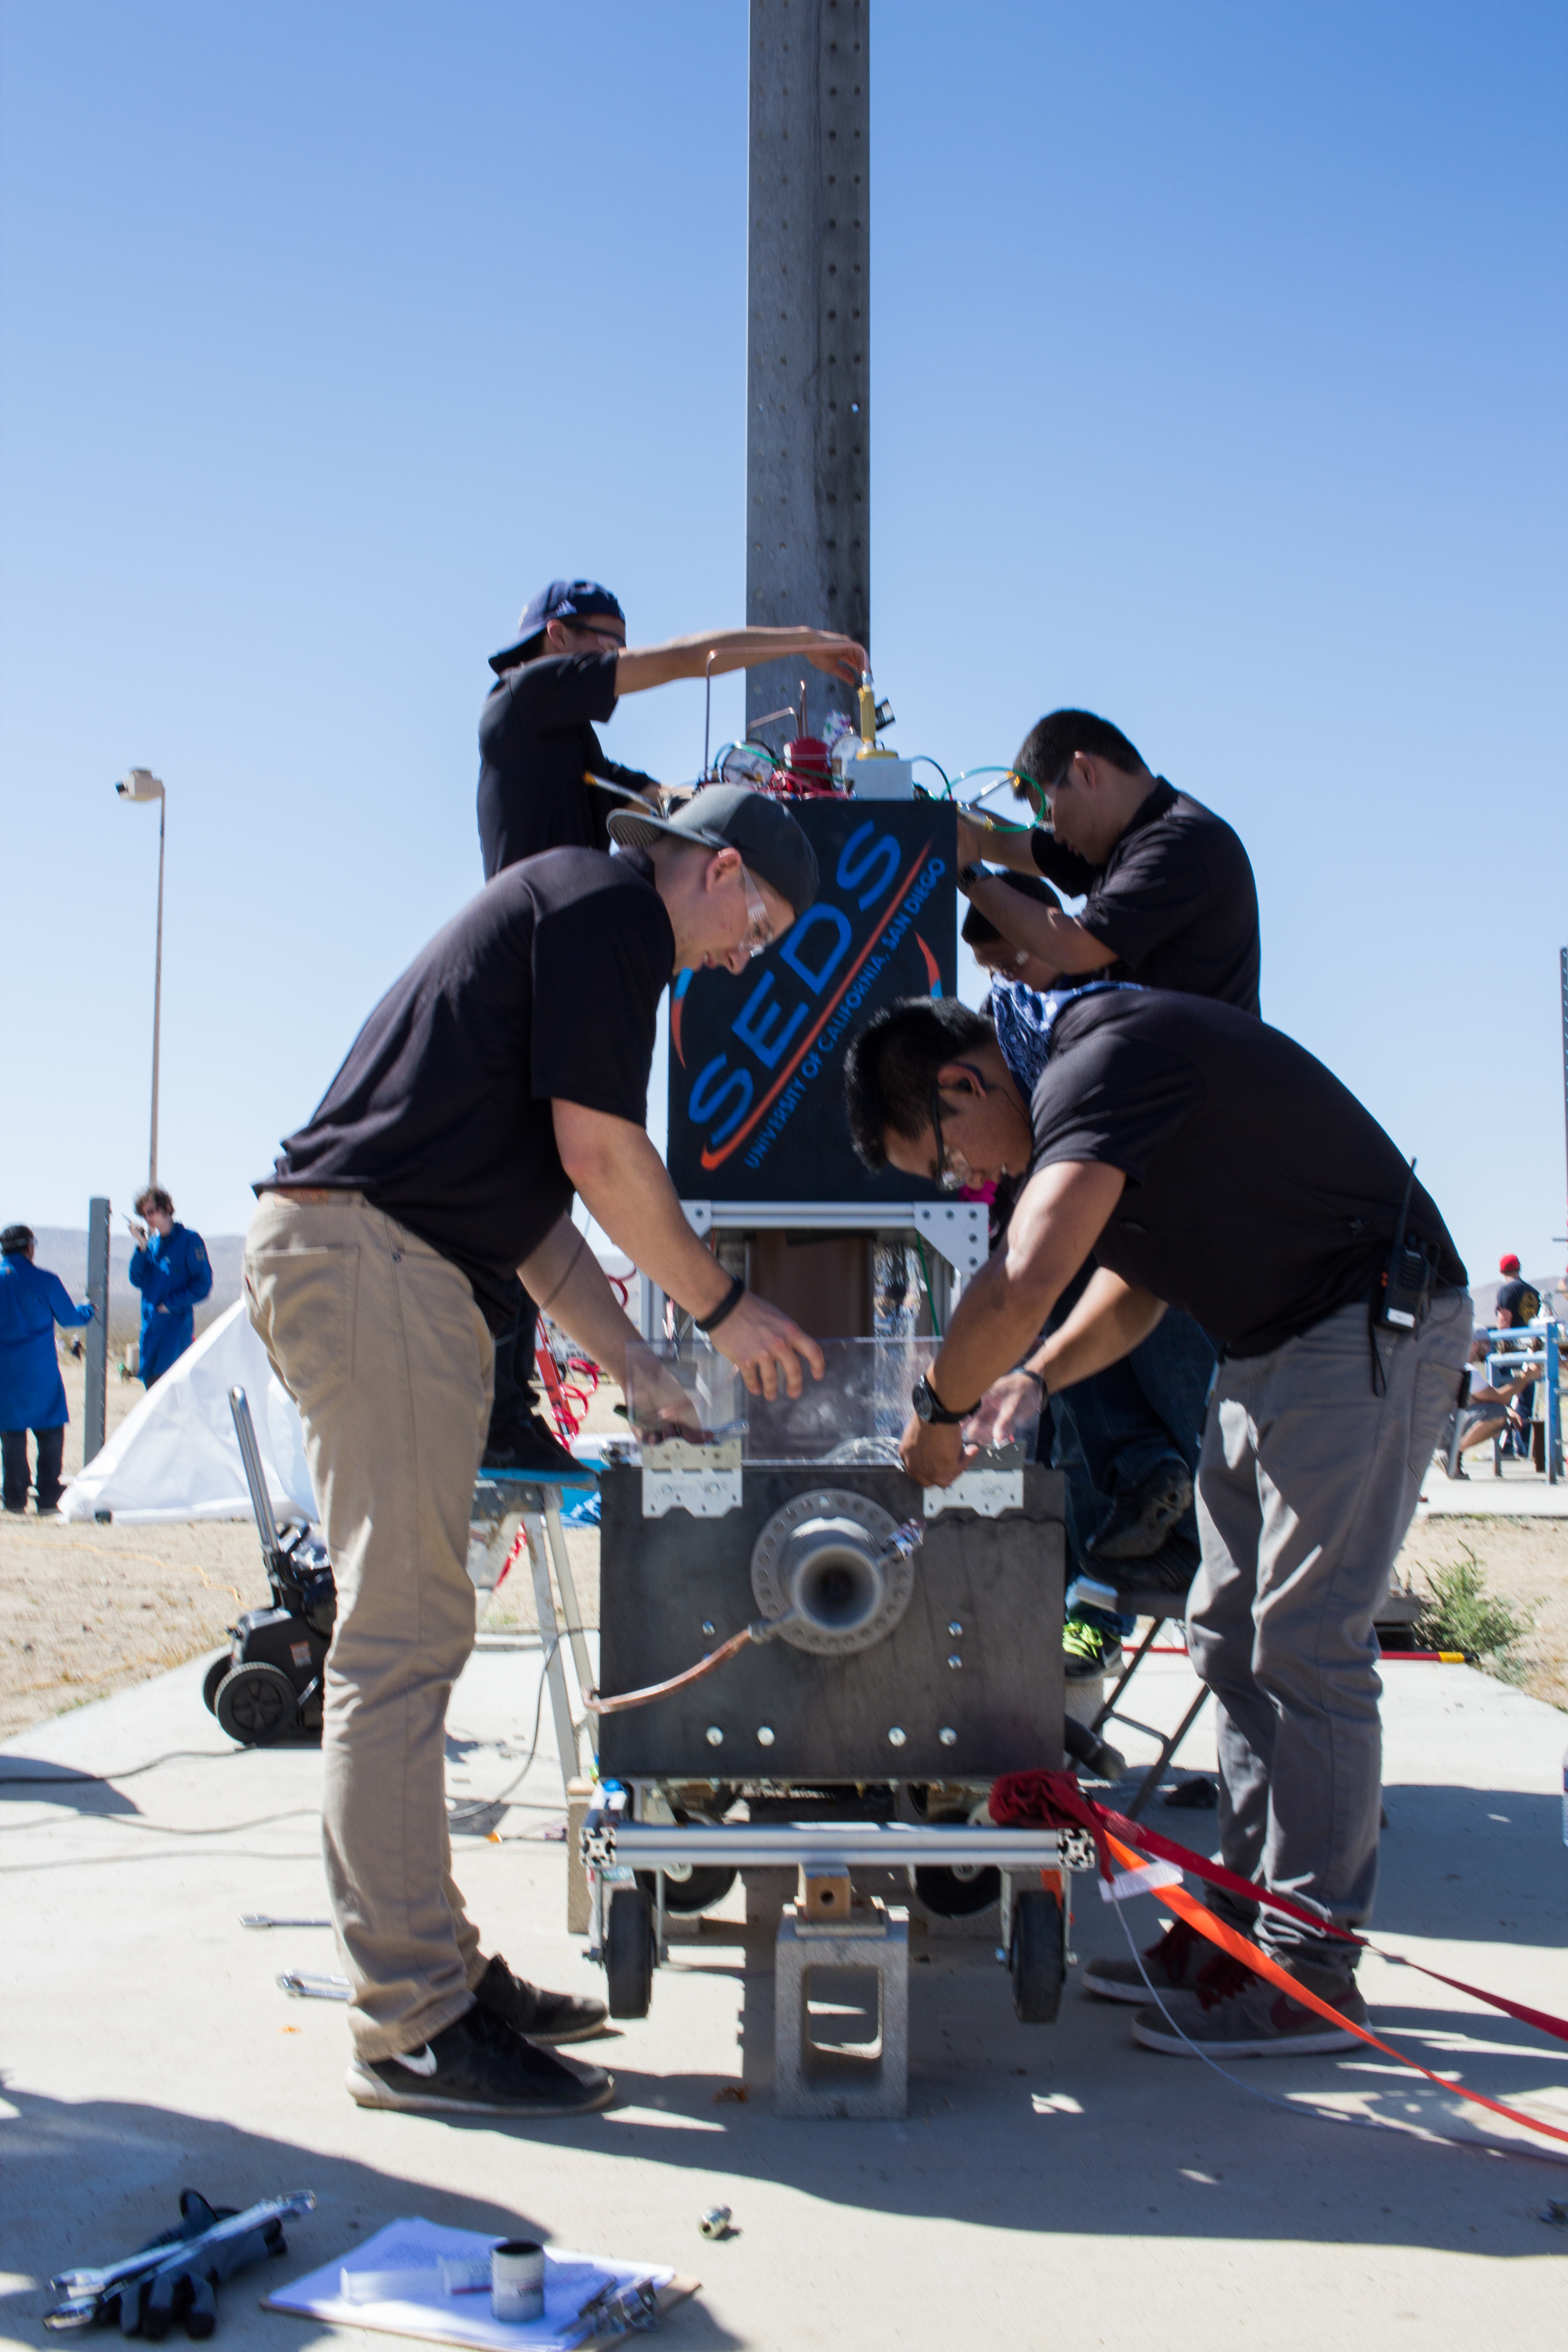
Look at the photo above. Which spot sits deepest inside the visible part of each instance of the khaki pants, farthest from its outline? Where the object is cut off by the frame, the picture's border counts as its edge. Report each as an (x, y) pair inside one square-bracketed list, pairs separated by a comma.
[(1305, 1486), (378, 1340)]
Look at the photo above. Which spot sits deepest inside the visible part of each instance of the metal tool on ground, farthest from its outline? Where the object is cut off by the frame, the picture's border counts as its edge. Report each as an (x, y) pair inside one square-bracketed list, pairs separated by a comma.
[(299, 1984), (262, 1920), (267, 1684), (715, 2222), (87, 2296)]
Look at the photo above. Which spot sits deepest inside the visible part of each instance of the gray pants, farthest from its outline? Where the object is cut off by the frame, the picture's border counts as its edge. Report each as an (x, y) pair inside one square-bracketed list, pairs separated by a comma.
[(1305, 1486)]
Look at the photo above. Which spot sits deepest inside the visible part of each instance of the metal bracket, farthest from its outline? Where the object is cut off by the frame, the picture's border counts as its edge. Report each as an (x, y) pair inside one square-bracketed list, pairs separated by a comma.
[(1075, 1848), (706, 1494), (986, 1493), (960, 1230)]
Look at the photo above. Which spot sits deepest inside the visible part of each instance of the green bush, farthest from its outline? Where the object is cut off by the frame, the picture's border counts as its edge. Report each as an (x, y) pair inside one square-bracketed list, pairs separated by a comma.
[(1460, 1612)]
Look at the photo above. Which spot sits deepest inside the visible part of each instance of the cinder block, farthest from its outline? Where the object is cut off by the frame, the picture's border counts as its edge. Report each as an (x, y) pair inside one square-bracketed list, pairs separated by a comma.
[(812, 2081)]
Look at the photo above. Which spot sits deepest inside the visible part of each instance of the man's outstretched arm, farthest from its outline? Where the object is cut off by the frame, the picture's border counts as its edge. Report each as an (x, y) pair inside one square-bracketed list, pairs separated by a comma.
[(624, 1185), (643, 666)]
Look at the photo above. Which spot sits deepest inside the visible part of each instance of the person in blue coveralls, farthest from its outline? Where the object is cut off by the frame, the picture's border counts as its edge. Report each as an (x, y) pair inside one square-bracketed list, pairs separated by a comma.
[(170, 1270), (32, 1394)]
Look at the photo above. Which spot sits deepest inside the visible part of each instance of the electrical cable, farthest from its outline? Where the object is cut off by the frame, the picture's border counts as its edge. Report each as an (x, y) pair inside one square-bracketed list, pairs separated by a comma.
[(1320, 2115), (487, 1804), (105, 1779), (925, 1277), (916, 757)]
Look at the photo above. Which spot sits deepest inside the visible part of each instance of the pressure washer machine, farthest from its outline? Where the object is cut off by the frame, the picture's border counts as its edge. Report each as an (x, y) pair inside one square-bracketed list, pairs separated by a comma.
[(266, 1685)]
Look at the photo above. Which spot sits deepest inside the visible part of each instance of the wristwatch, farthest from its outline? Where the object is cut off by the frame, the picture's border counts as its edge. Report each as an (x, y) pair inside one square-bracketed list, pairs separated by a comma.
[(930, 1408)]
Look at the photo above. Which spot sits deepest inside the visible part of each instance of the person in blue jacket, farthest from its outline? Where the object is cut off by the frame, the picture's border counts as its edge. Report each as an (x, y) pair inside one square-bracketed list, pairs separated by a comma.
[(32, 1394), (171, 1270)]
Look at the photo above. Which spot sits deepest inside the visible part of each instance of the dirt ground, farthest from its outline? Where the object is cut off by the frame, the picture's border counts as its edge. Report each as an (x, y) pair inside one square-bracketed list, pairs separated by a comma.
[(84, 1610)]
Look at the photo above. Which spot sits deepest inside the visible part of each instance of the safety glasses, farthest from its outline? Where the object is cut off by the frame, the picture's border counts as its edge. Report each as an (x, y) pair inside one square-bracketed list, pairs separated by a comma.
[(759, 931)]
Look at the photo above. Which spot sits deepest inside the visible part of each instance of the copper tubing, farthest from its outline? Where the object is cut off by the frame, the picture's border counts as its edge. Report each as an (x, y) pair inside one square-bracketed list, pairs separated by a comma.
[(726, 1650)]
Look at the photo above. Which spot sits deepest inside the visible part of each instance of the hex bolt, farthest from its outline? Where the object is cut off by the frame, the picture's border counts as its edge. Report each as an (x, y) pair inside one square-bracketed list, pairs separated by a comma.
[(948, 1737), (955, 1660), (896, 1736), (715, 1736), (956, 1629), (764, 1734)]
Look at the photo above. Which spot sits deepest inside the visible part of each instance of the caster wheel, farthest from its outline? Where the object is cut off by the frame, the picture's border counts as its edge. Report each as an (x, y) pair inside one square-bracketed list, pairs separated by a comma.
[(628, 1952), (213, 1677), (1037, 1956), (256, 1705), (957, 1893), (698, 1891)]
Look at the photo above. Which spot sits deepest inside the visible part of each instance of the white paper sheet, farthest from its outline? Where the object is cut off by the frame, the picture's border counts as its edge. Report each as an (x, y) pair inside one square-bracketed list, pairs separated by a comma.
[(410, 2245)]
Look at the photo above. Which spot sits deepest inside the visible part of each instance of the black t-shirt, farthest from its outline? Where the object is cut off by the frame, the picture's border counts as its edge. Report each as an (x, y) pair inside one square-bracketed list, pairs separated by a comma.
[(1175, 899), (1519, 1299), (1261, 1195), (545, 988), (535, 741)]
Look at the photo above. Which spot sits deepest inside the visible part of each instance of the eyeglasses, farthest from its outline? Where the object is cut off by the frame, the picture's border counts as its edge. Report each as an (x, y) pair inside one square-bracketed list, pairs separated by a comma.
[(951, 1171), (759, 931)]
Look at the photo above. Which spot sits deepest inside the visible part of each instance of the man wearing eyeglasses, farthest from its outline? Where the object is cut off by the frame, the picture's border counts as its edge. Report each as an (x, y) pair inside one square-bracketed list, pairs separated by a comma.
[(1170, 902), (1197, 1157), (565, 668), (505, 1071)]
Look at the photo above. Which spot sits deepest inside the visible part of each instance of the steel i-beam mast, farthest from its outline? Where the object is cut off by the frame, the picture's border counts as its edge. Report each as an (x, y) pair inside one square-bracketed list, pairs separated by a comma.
[(808, 440)]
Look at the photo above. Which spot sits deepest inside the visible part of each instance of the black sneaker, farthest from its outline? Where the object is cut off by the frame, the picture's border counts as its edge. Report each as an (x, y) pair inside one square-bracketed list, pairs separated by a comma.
[(532, 1451), (477, 2066), (1141, 1516), (552, 2017)]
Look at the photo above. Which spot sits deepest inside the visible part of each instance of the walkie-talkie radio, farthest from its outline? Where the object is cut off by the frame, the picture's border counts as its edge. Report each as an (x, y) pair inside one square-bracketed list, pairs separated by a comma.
[(1405, 1291)]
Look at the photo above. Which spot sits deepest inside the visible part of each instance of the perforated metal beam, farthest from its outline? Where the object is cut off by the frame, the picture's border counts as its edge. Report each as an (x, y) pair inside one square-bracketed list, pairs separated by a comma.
[(808, 443)]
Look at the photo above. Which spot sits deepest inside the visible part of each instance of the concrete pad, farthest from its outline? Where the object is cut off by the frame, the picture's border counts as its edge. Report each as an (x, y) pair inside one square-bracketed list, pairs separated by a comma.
[(1051, 2185), (1478, 1494)]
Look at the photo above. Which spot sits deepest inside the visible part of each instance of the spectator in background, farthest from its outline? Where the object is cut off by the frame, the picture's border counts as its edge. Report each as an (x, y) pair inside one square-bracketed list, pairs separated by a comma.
[(1518, 1303), (1489, 1410), (171, 1270), (32, 1394)]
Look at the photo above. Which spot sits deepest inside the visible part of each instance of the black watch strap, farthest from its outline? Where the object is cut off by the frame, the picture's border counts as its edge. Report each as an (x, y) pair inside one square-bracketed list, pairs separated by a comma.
[(936, 1413), (726, 1305)]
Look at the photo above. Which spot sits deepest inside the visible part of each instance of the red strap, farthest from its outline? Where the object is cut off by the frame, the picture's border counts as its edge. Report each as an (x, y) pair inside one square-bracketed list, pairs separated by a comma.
[(1198, 1915), (1055, 1798)]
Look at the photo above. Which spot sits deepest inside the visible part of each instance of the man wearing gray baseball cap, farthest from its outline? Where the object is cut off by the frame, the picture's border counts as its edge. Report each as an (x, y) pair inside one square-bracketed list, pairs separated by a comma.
[(505, 1072)]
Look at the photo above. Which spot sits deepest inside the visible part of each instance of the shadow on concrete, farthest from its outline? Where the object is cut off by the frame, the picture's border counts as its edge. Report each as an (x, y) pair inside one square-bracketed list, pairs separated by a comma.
[(27, 1780), (68, 2205), (1480, 1863)]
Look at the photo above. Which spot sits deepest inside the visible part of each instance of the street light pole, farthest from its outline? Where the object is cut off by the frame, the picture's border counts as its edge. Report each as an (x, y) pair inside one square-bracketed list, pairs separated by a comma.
[(141, 784)]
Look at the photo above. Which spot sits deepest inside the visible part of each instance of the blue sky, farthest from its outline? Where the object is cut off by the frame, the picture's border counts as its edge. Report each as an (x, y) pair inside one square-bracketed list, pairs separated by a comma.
[(1219, 371)]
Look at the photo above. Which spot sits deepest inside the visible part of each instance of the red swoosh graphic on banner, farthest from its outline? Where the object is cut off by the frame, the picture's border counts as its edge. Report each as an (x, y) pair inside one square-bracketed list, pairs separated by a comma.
[(717, 1158)]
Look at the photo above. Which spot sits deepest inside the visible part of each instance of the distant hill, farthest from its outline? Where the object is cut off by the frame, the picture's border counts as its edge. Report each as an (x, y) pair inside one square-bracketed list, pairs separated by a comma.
[(63, 1249)]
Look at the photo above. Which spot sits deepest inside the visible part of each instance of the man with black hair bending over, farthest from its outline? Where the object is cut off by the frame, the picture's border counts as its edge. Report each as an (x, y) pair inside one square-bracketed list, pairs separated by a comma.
[(1171, 903), (1193, 1156)]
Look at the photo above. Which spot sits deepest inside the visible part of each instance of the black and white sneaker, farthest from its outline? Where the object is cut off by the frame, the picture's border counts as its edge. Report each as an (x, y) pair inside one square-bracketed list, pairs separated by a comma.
[(551, 2017), (477, 2066)]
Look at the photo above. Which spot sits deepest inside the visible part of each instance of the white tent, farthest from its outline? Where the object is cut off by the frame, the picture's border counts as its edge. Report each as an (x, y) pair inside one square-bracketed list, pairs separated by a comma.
[(177, 1455)]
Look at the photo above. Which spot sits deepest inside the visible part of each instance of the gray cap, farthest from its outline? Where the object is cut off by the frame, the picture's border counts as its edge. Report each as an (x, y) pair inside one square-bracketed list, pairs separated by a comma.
[(728, 817)]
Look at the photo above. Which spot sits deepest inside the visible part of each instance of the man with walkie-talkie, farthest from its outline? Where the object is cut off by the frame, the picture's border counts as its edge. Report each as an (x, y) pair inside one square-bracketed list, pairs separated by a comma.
[(1190, 1154), (565, 666)]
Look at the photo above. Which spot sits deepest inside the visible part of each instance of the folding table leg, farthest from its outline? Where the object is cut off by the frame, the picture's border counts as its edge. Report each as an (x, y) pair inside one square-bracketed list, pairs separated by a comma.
[(550, 1635), (1168, 1747)]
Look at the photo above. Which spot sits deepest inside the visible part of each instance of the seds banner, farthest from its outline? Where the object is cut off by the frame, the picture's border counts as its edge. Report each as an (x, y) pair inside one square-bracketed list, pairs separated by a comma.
[(756, 1061)]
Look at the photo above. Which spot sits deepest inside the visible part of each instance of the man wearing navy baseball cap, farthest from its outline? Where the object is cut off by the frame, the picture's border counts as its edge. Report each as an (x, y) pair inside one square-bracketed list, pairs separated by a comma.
[(566, 667)]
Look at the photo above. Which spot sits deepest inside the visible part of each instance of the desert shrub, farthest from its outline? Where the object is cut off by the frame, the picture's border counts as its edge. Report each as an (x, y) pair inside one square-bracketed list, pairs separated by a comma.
[(1460, 1611)]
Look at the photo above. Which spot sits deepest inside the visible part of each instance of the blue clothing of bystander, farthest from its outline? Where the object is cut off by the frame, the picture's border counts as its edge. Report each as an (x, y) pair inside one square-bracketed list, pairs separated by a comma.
[(32, 1301), (174, 1276)]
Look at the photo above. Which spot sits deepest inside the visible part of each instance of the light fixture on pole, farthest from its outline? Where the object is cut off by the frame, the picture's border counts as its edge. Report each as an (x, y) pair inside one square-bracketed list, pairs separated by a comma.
[(141, 784)]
